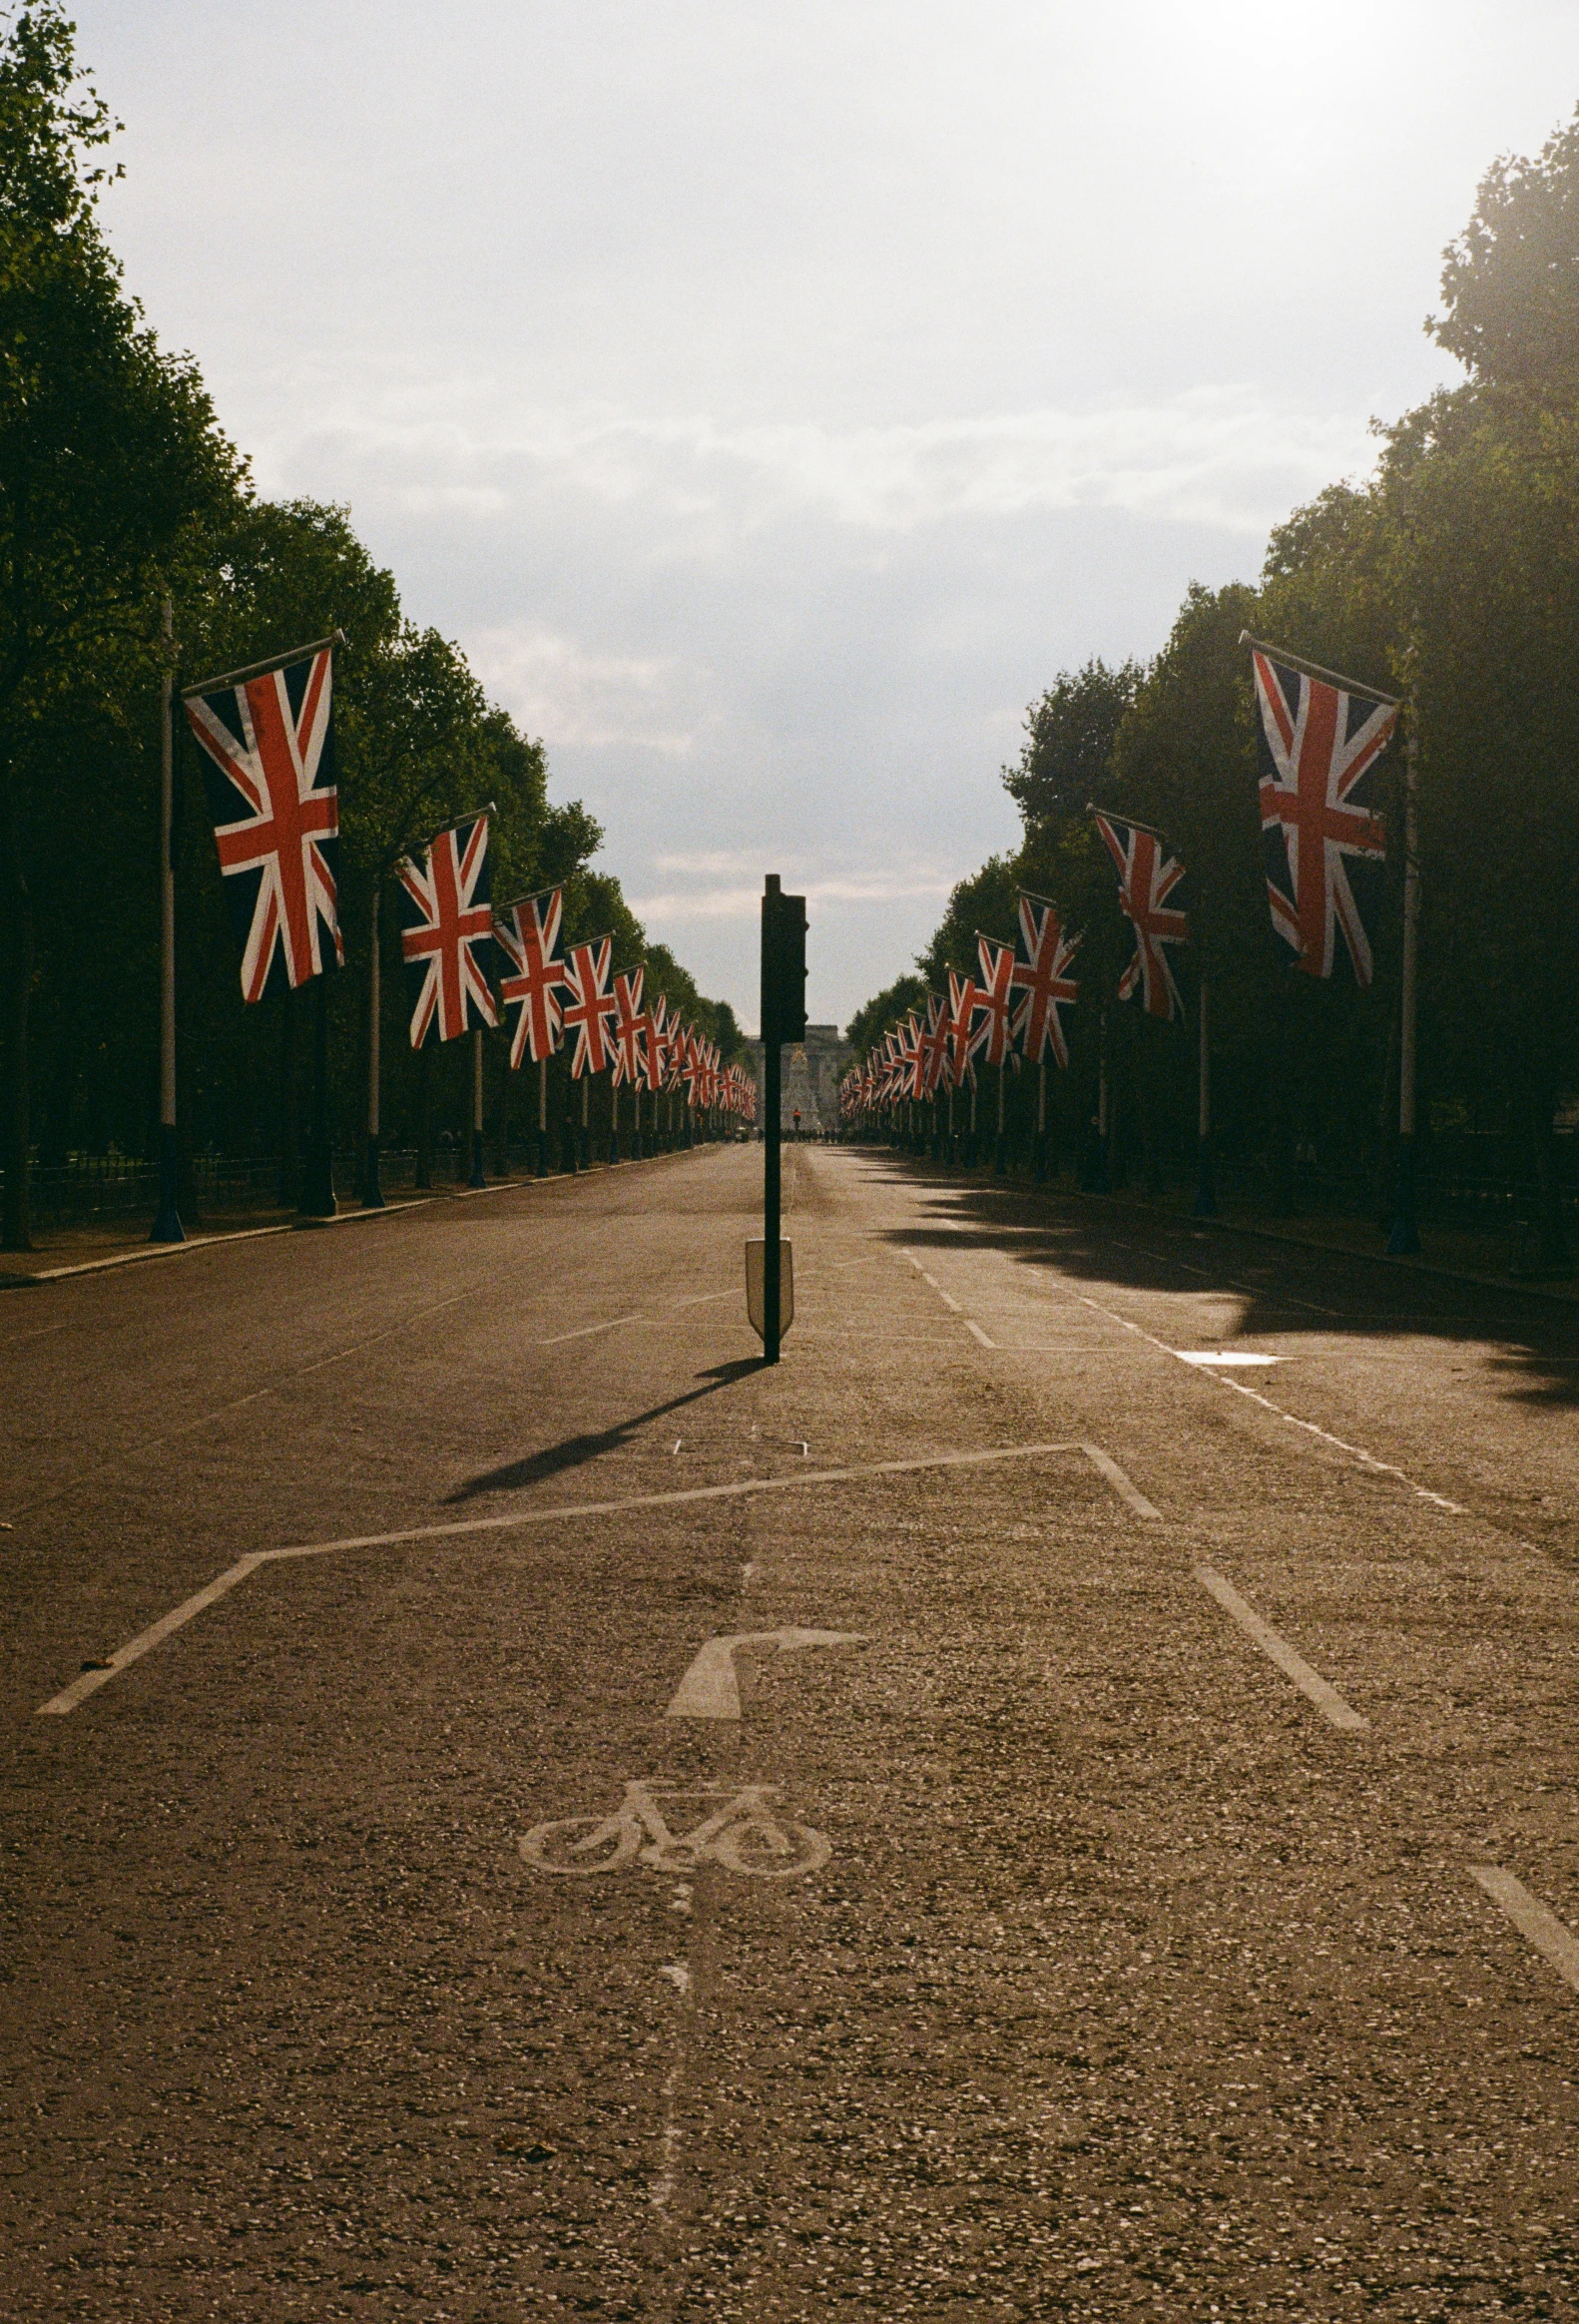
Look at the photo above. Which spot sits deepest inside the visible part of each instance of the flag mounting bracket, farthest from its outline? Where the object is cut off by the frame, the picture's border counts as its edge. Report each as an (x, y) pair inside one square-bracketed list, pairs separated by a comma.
[(262, 669), (1316, 670)]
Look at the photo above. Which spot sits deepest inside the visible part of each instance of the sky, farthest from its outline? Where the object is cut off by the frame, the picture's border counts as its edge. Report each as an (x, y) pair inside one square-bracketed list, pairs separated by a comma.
[(772, 399)]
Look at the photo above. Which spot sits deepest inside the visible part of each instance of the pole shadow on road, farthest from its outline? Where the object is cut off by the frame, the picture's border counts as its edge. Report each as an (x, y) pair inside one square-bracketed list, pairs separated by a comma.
[(575, 1451), (1537, 1354)]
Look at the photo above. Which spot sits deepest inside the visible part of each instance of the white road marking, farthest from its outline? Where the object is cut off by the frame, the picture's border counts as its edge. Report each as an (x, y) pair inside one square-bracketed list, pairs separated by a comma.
[(1326, 1698), (1109, 1467), (90, 1681), (678, 1975), (1532, 1918), (80, 1688), (745, 1836), (1356, 1451), (1234, 1358), (588, 1330), (945, 1296), (663, 2184), (711, 1689), (977, 1332)]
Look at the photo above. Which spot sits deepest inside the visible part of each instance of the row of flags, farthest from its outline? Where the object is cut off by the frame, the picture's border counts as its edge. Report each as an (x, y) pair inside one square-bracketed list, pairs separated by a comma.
[(1319, 741), (268, 748)]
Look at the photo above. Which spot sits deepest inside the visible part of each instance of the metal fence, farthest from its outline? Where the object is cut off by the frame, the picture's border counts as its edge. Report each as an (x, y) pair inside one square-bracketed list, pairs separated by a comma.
[(93, 1189)]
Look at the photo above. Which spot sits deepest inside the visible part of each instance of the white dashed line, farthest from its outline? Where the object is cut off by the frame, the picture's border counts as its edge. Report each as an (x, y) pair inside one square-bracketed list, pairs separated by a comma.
[(1326, 1698), (946, 1297), (977, 1332), (1356, 1451), (1530, 1917), (587, 1330), (1109, 1467)]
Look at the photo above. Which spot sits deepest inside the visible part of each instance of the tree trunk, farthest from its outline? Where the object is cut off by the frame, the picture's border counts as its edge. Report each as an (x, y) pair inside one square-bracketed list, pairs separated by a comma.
[(424, 1117), (15, 1225), (16, 990), (1553, 1230), (288, 1127)]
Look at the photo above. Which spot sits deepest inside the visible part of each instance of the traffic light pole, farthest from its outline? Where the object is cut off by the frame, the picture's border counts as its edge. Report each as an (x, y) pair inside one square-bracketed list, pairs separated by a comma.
[(771, 1186), (782, 1019)]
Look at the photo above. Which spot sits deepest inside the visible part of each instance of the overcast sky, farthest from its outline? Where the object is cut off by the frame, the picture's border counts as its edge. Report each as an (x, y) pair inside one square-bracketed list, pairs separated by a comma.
[(772, 399)]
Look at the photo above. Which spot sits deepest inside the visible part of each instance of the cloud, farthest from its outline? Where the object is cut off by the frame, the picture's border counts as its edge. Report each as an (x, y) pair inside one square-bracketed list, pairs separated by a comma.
[(742, 902), (1225, 455), (555, 686)]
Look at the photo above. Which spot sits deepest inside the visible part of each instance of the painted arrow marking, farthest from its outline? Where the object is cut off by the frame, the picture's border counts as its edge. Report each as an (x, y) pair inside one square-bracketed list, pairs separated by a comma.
[(709, 1688)]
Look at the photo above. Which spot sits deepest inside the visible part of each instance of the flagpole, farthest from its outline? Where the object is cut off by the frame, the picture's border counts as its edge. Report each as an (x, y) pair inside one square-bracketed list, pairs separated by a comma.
[(1206, 1178), (586, 1121), (999, 1153), (167, 1226), (542, 1117), (1102, 1104), (373, 1192), (1041, 1122), (1406, 1236), (478, 1174)]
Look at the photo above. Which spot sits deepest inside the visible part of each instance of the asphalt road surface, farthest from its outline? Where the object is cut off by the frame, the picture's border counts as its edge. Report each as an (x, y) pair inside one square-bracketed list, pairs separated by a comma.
[(1128, 1868)]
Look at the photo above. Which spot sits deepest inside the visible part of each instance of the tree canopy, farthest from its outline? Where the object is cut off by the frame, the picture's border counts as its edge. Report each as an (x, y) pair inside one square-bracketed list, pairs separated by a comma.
[(1450, 576), (118, 491)]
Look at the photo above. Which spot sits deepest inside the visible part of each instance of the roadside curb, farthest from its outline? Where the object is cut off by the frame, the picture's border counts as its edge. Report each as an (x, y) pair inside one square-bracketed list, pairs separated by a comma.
[(21, 1279)]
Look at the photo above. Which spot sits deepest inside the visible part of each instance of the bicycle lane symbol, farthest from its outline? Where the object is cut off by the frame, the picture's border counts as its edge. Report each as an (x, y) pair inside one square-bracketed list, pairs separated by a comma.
[(745, 1835)]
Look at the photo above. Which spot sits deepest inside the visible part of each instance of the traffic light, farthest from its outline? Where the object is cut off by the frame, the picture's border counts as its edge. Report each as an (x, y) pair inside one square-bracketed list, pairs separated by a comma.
[(783, 966)]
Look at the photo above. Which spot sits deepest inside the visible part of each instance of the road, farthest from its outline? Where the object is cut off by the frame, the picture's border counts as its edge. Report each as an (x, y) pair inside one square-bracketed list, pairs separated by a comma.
[(1123, 1870)]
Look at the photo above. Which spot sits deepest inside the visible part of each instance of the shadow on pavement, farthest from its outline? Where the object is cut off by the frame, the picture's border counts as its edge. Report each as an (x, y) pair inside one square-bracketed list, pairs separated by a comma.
[(1284, 1288), (575, 1451)]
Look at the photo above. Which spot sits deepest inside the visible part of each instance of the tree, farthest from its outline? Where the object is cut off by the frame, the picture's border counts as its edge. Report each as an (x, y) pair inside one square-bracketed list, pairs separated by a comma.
[(111, 464), (1068, 742), (1510, 283), (984, 905), (887, 1010)]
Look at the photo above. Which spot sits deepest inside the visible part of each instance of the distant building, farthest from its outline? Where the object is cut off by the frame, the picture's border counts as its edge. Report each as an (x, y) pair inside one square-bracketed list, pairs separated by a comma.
[(812, 1071)]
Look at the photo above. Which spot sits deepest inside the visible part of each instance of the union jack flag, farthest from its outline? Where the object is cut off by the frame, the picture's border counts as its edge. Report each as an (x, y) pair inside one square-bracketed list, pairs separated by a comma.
[(962, 999), (994, 998), (1148, 877), (590, 1006), (446, 932), (911, 1055), (268, 769), (1318, 746), (1042, 980), (629, 1063), (656, 1037), (934, 1046), (679, 1051), (528, 936)]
